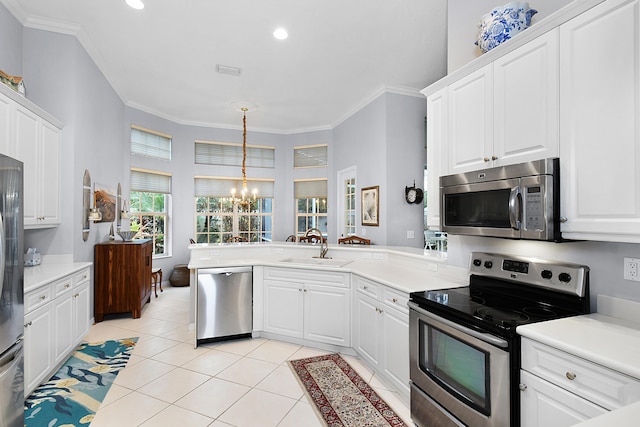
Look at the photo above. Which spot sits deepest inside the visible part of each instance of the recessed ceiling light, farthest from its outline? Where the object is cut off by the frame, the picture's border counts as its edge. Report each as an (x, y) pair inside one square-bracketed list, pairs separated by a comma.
[(136, 4), (280, 33)]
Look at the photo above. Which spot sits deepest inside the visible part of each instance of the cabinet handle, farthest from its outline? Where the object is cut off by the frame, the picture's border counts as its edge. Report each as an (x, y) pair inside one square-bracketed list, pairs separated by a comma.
[(67, 286), (76, 295), (365, 287), (26, 325), (564, 219), (485, 159), (494, 157), (395, 300), (571, 376), (522, 387), (300, 290), (43, 297), (305, 290)]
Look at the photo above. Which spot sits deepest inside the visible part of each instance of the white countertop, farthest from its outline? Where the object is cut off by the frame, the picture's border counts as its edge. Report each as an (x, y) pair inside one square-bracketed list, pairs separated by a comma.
[(605, 339), (39, 275)]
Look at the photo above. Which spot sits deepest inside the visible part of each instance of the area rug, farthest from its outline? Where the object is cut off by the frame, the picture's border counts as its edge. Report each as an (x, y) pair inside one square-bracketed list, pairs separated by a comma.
[(73, 395), (340, 395)]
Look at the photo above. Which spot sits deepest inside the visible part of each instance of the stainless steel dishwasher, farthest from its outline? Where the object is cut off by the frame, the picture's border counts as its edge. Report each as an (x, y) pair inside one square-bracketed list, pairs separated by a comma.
[(225, 303)]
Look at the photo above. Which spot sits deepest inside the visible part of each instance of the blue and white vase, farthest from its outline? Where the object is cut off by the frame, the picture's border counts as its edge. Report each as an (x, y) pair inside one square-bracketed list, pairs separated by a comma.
[(502, 23)]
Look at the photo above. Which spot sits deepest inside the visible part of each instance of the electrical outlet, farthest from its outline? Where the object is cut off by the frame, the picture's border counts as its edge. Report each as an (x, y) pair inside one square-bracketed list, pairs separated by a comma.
[(410, 234), (631, 267)]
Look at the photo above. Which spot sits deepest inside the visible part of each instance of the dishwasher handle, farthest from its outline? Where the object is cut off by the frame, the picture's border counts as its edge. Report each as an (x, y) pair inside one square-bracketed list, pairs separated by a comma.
[(228, 271)]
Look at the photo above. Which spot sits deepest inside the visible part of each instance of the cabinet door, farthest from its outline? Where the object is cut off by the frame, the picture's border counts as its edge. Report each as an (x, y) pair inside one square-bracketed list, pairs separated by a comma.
[(526, 102), (396, 346), (81, 311), (544, 404), (600, 123), (7, 110), (38, 346), (27, 134), (367, 340), (283, 308), (471, 121), (63, 330), (326, 314), (49, 180), (437, 150)]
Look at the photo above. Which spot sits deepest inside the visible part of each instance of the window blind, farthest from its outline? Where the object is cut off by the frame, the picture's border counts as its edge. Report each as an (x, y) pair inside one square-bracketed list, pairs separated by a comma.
[(146, 142), (310, 156), (221, 187), (150, 181), (308, 189), (227, 154)]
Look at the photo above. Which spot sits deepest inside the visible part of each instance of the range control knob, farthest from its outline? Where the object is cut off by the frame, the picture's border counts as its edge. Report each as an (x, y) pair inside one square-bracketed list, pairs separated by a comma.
[(488, 264), (564, 277), (477, 262), (546, 274)]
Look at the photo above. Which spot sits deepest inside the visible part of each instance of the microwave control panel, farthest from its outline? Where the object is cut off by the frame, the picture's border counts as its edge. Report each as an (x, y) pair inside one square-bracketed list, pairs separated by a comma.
[(534, 210)]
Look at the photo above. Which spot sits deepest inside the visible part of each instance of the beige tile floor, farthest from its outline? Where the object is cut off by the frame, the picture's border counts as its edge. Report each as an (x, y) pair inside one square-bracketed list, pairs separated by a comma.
[(236, 383)]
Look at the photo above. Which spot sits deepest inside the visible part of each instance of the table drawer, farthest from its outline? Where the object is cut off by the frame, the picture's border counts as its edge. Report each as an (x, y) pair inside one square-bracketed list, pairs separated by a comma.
[(37, 298), (602, 386)]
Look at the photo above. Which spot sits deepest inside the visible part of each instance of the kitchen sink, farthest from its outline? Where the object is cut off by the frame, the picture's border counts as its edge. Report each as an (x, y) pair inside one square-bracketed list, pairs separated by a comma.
[(330, 262)]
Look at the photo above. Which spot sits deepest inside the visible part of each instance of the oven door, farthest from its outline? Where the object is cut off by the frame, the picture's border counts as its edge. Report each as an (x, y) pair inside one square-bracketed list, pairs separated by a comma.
[(483, 209), (464, 373)]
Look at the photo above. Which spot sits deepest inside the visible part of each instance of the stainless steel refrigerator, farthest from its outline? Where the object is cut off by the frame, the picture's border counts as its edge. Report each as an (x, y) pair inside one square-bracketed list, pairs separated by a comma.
[(11, 293)]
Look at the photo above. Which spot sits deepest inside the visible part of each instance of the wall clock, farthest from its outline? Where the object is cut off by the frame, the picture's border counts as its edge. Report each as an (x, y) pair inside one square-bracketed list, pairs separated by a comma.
[(413, 195)]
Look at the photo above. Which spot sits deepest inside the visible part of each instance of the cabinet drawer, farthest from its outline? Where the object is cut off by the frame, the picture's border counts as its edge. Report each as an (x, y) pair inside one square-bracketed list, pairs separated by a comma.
[(81, 277), (296, 275), (367, 286), (63, 286), (37, 298), (600, 385), (395, 299)]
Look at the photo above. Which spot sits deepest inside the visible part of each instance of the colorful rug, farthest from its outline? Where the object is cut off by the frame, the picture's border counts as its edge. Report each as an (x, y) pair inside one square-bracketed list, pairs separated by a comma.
[(73, 395), (340, 395)]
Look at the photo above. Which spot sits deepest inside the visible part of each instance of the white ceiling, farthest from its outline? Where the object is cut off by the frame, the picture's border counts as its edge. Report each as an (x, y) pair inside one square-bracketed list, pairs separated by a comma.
[(340, 54)]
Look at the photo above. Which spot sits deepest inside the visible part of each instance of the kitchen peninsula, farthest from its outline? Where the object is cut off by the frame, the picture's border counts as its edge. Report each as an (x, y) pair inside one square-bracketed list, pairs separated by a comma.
[(355, 300)]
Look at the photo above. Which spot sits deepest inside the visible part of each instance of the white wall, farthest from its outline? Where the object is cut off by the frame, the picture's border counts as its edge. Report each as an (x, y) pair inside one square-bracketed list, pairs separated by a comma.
[(462, 25)]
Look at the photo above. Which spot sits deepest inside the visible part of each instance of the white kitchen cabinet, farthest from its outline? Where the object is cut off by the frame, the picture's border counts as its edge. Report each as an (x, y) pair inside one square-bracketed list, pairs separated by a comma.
[(7, 113), (470, 121), (437, 158), (381, 330), (600, 123), (560, 389), (56, 319), (313, 305)]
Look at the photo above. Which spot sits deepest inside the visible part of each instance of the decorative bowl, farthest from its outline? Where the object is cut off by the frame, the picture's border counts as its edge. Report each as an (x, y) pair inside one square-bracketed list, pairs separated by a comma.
[(502, 23), (127, 235)]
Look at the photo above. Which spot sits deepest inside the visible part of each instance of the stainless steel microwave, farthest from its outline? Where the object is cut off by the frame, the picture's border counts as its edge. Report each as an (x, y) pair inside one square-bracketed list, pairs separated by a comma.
[(517, 201)]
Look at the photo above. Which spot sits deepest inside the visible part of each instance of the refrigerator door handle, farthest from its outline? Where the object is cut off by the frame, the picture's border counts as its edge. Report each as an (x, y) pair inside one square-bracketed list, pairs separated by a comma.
[(6, 362), (2, 251)]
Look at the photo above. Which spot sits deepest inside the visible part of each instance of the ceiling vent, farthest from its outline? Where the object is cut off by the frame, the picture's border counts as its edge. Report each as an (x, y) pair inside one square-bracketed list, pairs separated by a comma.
[(225, 69)]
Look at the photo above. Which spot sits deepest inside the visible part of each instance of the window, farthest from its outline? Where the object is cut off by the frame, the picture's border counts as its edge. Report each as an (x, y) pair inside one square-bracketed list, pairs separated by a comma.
[(218, 219), (310, 156), (350, 207), (145, 142), (228, 154), (149, 207), (311, 202)]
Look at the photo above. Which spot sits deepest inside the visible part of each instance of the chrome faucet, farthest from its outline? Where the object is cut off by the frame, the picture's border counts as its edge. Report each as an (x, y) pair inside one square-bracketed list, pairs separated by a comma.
[(324, 247)]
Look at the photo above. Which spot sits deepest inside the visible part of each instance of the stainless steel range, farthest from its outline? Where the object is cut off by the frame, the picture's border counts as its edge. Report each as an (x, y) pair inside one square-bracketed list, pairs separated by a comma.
[(464, 349)]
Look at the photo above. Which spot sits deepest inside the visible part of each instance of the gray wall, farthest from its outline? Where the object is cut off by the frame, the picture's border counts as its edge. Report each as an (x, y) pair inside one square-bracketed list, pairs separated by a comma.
[(464, 17), (11, 50)]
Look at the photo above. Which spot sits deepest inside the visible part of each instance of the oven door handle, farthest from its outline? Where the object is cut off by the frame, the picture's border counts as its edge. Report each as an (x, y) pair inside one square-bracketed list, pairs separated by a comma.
[(488, 338), (515, 208)]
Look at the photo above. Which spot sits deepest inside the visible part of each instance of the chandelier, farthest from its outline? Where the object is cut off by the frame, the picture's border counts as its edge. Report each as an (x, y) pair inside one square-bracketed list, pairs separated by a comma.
[(243, 199)]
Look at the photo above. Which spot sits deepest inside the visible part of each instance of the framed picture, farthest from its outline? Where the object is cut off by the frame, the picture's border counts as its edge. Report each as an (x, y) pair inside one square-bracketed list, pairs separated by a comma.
[(104, 198), (370, 206)]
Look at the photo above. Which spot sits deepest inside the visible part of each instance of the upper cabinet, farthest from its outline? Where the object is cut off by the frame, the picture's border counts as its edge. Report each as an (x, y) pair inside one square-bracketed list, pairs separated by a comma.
[(33, 137), (600, 123), (507, 111), (437, 129)]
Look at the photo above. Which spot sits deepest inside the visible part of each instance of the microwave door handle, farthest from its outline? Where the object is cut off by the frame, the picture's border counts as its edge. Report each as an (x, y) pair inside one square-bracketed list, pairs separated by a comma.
[(515, 211)]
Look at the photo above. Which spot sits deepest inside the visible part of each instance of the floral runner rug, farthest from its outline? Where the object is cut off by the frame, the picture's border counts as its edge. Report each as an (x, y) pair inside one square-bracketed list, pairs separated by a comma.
[(340, 395), (73, 395)]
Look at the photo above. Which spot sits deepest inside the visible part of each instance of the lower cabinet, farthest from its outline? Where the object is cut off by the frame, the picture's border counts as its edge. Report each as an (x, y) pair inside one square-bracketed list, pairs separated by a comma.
[(560, 389), (56, 319), (313, 305), (381, 330)]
